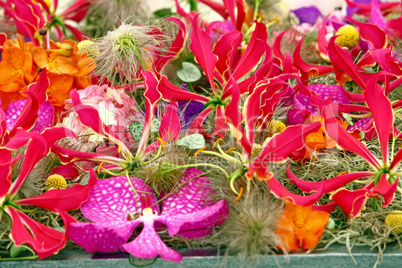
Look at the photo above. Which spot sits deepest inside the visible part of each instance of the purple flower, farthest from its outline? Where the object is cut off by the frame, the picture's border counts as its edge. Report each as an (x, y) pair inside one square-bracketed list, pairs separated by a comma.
[(116, 210), (351, 10), (307, 14), (188, 111), (303, 106), (45, 115)]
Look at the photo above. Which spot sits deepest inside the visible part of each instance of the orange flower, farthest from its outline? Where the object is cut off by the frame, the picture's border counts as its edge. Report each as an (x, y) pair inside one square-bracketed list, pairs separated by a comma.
[(16, 70), (54, 63), (319, 140), (301, 227)]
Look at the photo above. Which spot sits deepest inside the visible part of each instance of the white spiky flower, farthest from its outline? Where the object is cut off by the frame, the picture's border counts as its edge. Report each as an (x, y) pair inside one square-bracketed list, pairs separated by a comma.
[(126, 50)]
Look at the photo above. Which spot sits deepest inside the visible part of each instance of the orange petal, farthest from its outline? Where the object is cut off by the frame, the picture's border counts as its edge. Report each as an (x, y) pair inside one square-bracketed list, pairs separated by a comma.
[(67, 69), (312, 230), (40, 57), (81, 83), (289, 240), (85, 66), (15, 57), (7, 72), (60, 83)]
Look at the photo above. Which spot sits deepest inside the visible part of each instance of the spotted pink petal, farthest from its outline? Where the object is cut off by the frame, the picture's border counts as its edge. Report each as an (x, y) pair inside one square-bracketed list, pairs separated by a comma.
[(196, 224), (148, 245), (112, 199), (191, 196), (101, 237), (190, 210), (45, 117)]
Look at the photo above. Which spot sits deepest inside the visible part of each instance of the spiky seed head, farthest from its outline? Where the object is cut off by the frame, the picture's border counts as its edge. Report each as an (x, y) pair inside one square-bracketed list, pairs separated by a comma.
[(249, 230), (349, 36), (55, 181), (393, 220), (126, 50)]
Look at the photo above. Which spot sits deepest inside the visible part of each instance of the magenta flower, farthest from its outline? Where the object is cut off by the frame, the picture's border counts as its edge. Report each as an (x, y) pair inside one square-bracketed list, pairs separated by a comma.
[(116, 209), (45, 115)]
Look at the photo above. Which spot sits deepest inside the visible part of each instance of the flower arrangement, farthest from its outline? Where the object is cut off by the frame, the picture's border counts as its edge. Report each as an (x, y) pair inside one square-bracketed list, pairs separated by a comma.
[(265, 131)]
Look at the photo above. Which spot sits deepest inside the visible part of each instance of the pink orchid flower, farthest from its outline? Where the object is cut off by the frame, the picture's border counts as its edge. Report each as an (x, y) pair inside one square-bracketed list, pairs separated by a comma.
[(116, 210)]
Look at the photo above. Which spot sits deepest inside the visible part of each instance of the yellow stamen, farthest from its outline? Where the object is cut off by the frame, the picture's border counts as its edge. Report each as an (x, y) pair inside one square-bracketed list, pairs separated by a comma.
[(162, 142), (213, 145), (99, 167), (55, 181), (343, 172), (239, 195), (231, 149), (119, 148), (199, 151)]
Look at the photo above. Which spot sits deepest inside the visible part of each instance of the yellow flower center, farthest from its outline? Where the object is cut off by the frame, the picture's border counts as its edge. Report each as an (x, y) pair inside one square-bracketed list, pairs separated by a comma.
[(276, 126), (89, 47), (55, 181), (394, 219), (349, 36)]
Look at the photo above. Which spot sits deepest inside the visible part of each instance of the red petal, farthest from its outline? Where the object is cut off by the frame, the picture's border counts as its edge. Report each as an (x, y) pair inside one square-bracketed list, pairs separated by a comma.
[(385, 189), (44, 240), (152, 97), (234, 119), (352, 202), (176, 46), (281, 191), (283, 144), (201, 47), (371, 33), (331, 185), (342, 61), (170, 123), (344, 139), (383, 115), (226, 49), (171, 92), (254, 51), (63, 199)]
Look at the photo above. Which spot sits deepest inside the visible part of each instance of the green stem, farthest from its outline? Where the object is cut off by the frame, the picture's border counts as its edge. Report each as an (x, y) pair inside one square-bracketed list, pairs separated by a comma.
[(197, 165), (224, 156), (143, 65), (256, 7), (20, 258)]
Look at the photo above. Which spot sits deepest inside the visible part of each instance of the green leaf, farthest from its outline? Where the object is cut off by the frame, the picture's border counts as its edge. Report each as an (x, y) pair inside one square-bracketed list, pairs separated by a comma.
[(16, 250), (136, 129), (164, 12), (194, 141), (190, 73), (155, 125), (348, 118)]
